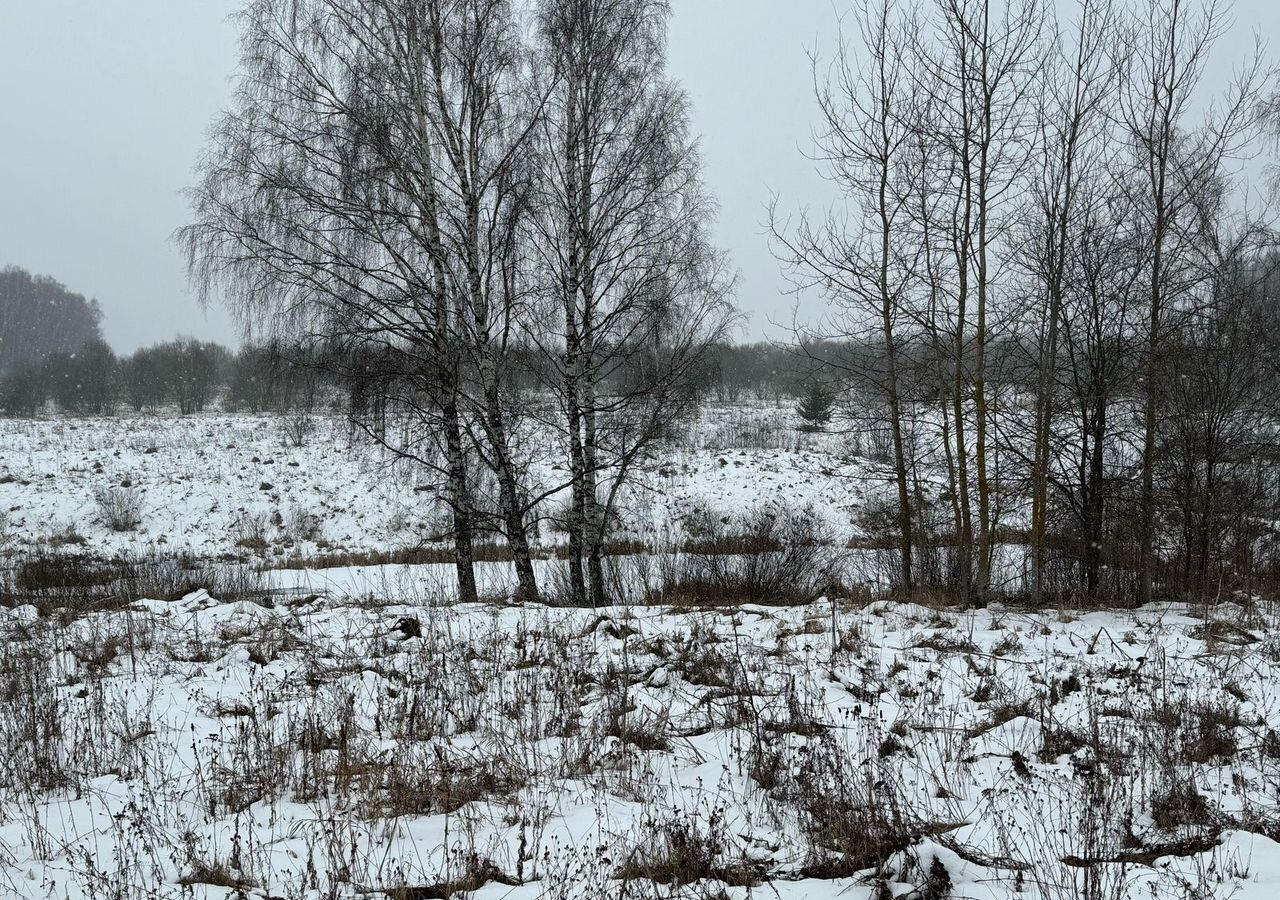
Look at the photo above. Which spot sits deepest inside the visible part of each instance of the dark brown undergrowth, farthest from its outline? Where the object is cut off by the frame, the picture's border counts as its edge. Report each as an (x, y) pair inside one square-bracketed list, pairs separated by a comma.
[(73, 584), (477, 873), (688, 849), (771, 555), (489, 551), (850, 823)]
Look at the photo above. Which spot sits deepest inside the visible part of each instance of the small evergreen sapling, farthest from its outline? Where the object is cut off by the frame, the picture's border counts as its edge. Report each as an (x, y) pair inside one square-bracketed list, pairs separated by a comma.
[(815, 407)]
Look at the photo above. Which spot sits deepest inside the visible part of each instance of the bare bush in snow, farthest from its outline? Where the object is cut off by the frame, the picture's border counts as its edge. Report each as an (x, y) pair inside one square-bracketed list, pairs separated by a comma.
[(119, 507)]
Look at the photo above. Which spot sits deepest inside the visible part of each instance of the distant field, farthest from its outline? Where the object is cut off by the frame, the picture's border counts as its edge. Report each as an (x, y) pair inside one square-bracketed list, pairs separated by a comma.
[(222, 484)]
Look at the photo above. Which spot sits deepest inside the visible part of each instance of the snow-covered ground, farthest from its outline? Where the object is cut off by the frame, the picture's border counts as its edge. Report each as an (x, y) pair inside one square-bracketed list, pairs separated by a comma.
[(356, 733), (204, 749), (231, 484)]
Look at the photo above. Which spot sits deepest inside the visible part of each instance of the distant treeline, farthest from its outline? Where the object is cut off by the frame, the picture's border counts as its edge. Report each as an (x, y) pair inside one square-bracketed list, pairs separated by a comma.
[(188, 375), (183, 375), (39, 316), (52, 349)]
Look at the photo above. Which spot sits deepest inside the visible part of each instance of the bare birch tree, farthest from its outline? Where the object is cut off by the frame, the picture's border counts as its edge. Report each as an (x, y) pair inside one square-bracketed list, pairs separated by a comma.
[(635, 293), (351, 195), (472, 63)]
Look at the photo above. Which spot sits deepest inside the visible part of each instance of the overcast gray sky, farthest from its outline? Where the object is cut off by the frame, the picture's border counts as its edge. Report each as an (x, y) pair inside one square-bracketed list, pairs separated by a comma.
[(105, 107)]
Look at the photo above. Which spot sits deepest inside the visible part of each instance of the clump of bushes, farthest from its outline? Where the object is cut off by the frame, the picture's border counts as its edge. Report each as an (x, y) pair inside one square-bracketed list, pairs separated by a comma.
[(119, 507), (772, 554)]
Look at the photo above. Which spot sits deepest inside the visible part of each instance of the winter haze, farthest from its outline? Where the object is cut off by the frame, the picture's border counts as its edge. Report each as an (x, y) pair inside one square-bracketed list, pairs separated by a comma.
[(108, 104), (639, 450)]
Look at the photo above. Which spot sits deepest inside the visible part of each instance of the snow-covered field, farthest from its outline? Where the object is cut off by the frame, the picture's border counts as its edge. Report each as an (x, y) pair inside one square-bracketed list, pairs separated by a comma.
[(358, 734), (231, 484), (207, 749)]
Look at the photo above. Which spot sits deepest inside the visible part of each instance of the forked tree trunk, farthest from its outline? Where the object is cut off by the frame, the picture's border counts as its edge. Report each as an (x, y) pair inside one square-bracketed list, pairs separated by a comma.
[(595, 512), (509, 495), (459, 503)]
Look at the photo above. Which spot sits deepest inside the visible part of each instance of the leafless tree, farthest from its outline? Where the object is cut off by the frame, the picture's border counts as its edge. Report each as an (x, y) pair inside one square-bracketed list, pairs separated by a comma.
[(1218, 414), (472, 59), (1175, 162), (975, 83), (39, 316), (633, 291), (1078, 82), (865, 257), (1098, 340), (352, 194)]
